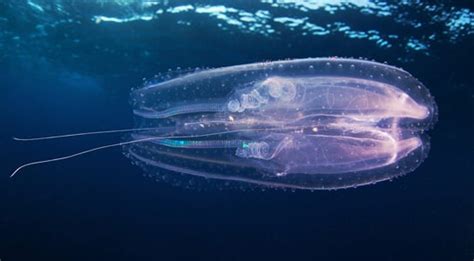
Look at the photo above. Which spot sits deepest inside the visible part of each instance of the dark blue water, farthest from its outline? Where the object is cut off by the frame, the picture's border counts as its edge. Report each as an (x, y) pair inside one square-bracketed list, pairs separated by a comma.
[(68, 66)]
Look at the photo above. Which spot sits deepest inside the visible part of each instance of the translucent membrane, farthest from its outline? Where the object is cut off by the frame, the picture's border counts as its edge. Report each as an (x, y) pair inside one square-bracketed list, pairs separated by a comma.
[(311, 123)]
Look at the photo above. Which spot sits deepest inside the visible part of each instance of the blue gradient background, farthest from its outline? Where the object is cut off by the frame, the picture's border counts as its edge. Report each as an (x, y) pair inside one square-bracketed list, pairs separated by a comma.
[(68, 66)]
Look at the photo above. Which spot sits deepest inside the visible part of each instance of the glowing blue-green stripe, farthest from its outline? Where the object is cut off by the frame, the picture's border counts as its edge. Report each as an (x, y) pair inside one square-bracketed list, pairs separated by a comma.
[(202, 143)]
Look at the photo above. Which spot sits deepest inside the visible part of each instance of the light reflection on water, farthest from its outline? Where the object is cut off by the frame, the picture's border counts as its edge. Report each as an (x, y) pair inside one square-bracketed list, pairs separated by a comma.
[(377, 22)]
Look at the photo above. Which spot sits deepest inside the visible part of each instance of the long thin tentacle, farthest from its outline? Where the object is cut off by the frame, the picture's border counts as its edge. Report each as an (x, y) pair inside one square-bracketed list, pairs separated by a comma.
[(82, 134), (78, 154), (120, 144)]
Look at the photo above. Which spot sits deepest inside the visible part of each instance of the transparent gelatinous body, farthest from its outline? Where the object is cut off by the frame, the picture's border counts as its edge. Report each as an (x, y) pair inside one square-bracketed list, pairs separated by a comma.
[(320, 123)]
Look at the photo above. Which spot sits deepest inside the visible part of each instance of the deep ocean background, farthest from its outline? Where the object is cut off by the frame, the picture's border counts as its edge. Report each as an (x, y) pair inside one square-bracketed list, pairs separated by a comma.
[(68, 66)]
